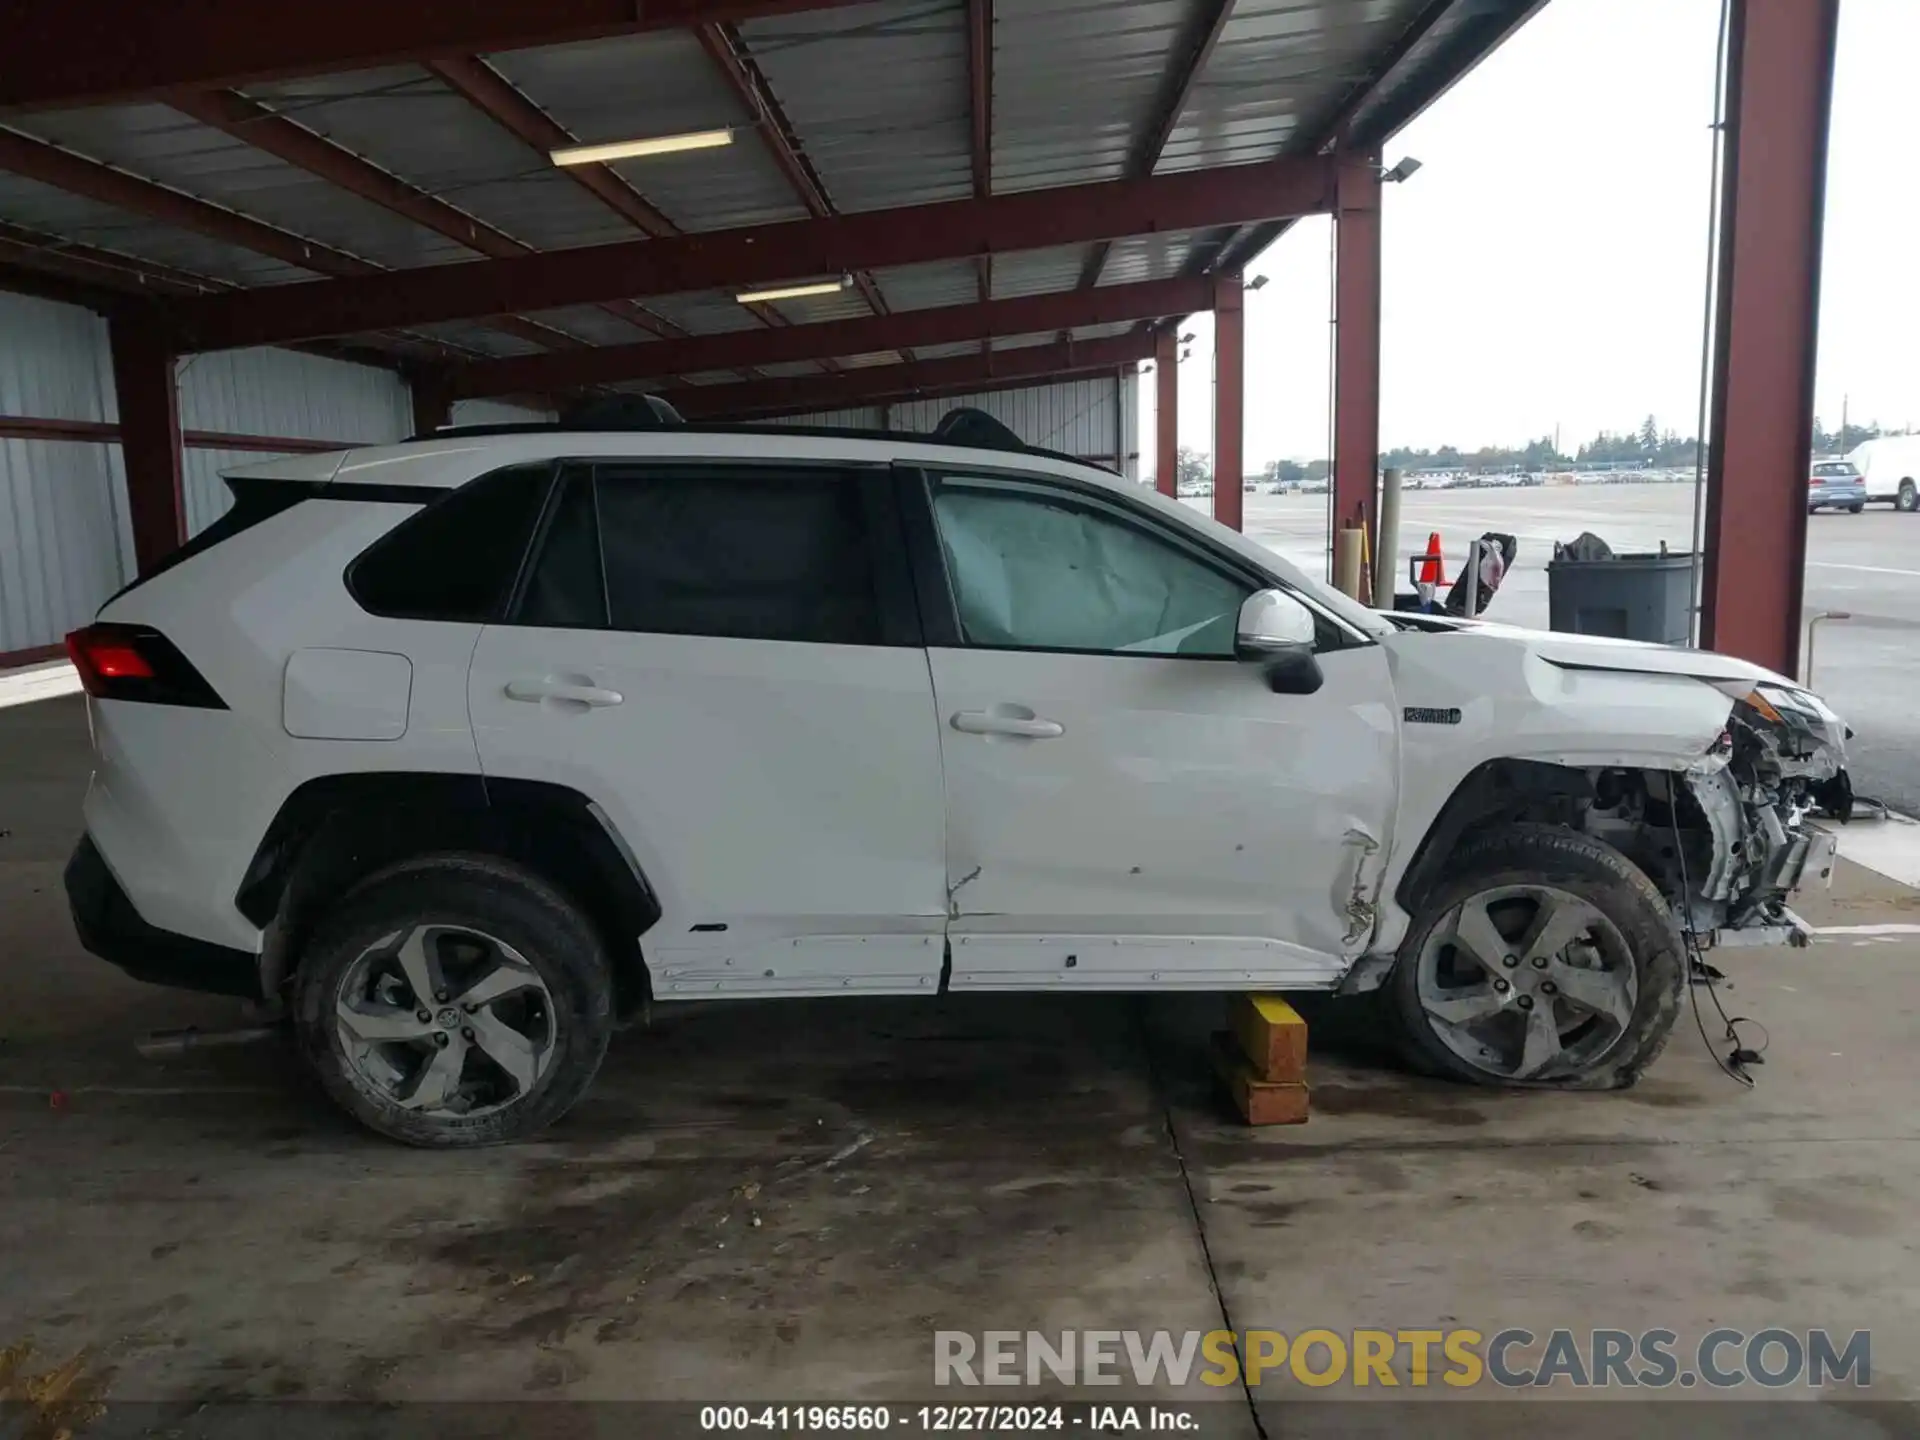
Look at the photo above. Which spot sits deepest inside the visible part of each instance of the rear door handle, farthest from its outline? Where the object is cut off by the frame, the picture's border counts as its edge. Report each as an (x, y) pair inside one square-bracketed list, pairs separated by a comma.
[(534, 691), (988, 722)]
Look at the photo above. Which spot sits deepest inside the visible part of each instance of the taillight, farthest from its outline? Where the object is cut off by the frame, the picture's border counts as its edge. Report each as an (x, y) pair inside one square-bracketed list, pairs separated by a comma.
[(135, 662)]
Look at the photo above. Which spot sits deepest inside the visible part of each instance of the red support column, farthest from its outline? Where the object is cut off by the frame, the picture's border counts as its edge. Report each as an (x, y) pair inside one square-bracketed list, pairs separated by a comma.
[(1166, 415), (432, 402), (149, 404), (1229, 397), (1773, 195), (1356, 353)]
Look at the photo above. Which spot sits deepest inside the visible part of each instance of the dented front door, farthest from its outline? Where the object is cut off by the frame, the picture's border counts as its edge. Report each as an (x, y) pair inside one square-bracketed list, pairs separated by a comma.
[(1149, 821)]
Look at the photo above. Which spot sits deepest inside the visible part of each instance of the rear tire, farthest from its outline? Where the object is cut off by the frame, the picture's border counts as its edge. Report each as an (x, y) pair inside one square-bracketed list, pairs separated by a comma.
[(1856, 509), (516, 1025), (1908, 498), (1589, 1014)]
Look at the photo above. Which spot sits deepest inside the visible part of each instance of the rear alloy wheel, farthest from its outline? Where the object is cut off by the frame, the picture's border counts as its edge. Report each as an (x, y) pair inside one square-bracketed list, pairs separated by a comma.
[(1908, 499), (1544, 958), (454, 1000)]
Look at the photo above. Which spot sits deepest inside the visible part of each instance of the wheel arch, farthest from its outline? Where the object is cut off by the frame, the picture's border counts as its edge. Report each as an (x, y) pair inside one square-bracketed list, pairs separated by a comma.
[(1498, 792), (334, 831)]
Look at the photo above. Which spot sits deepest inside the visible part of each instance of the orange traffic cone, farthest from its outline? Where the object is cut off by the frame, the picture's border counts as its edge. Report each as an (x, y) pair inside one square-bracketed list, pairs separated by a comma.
[(1431, 569)]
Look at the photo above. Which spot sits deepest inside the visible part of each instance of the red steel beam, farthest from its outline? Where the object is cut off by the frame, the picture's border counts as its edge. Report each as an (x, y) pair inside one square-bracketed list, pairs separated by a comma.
[(980, 118), (254, 124), (1356, 345), (102, 432), (730, 57), (1229, 399), (1166, 420), (865, 335), (949, 230), (502, 102), (1780, 58), (62, 53), (149, 403), (79, 175), (93, 266), (921, 377), (1176, 91)]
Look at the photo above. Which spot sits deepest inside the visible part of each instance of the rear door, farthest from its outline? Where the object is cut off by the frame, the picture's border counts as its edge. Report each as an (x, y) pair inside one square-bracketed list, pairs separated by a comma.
[(726, 658)]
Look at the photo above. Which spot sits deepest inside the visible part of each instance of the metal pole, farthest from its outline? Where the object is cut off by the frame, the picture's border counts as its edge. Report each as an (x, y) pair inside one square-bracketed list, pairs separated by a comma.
[(1386, 552), (1473, 578), (1346, 560)]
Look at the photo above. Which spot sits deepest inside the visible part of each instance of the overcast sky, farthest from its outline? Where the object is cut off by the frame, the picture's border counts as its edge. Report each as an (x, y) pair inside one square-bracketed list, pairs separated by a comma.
[(1547, 265)]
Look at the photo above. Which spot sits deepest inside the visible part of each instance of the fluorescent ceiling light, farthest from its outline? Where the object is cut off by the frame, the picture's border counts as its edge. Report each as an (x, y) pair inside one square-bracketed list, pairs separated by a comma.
[(633, 149), (795, 292)]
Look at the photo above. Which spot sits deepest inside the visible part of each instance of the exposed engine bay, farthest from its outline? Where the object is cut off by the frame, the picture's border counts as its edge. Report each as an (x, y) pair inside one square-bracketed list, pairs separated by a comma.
[(1728, 840)]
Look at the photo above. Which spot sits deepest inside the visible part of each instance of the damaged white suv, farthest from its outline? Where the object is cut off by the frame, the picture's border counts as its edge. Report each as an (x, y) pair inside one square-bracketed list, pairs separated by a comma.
[(459, 750)]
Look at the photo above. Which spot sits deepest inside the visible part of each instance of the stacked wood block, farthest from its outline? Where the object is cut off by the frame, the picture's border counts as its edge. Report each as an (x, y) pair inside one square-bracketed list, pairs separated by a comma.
[(1262, 1061)]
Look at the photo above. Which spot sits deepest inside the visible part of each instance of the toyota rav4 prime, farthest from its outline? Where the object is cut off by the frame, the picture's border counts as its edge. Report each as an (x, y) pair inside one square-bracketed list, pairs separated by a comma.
[(454, 752)]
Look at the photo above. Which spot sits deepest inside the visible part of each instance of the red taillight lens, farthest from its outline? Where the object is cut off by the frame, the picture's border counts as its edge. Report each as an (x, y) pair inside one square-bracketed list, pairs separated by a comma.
[(134, 662)]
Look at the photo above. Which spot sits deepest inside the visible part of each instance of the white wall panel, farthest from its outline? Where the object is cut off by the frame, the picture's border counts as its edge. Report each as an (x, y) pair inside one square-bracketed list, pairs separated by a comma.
[(1078, 417), (65, 544), (498, 412), (304, 397)]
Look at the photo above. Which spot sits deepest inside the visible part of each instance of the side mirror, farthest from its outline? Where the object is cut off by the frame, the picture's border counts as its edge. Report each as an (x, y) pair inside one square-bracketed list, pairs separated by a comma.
[(1276, 631)]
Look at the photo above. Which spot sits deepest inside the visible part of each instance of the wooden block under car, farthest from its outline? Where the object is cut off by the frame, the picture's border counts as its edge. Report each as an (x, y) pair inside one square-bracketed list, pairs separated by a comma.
[(1260, 1102), (1272, 1036)]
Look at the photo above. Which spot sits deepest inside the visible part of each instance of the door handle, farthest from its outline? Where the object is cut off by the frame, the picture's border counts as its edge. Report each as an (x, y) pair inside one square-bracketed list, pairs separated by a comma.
[(988, 722), (534, 691)]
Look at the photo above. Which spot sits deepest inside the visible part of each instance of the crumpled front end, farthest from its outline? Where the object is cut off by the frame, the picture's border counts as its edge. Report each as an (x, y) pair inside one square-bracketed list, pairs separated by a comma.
[(1786, 757)]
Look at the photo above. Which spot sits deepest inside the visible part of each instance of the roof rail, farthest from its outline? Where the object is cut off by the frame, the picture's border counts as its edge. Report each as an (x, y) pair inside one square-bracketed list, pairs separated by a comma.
[(964, 426)]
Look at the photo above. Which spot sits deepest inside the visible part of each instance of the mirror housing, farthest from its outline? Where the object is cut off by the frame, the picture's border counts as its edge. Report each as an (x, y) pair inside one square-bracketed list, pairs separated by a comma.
[(1276, 632)]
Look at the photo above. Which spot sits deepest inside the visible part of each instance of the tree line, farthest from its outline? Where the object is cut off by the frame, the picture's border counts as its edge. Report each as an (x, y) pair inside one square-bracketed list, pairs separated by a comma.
[(1647, 445)]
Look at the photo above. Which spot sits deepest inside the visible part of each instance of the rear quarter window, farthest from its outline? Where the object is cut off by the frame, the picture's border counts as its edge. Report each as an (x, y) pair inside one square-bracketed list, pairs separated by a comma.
[(457, 559)]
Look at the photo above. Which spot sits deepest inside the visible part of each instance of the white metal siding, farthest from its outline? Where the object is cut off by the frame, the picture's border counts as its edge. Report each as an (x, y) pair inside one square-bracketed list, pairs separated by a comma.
[(278, 392), (1078, 417), (304, 397), (65, 544), (498, 412), (65, 538)]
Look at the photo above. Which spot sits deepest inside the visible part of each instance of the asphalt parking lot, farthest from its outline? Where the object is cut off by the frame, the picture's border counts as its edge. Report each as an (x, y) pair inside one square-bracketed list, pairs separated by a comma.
[(787, 1201), (1867, 565)]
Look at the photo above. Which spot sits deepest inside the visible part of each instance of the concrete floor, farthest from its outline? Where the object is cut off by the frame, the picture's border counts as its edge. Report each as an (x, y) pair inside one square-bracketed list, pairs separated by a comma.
[(786, 1201)]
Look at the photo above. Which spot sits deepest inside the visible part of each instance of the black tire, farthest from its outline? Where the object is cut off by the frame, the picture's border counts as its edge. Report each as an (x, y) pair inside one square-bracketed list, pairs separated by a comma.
[(499, 899), (1594, 872), (1908, 498), (1856, 509)]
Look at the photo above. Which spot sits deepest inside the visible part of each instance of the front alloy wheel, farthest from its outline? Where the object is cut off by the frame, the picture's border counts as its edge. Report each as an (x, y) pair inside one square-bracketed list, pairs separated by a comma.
[(1542, 957), (1527, 982)]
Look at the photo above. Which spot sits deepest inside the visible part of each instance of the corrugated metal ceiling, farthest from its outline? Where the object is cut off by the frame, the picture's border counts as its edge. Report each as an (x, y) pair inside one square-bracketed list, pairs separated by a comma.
[(878, 99)]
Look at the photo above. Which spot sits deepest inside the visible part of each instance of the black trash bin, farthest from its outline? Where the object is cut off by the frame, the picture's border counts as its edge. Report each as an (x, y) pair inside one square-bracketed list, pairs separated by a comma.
[(1630, 597)]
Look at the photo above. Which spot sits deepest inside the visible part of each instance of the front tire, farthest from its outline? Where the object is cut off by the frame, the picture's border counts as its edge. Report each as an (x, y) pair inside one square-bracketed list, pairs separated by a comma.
[(1543, 959), (454, 1000), (1908, 498)]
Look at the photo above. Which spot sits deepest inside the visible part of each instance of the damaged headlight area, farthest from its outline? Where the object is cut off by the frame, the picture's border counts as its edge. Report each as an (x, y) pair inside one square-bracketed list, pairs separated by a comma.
[(1729, 839)]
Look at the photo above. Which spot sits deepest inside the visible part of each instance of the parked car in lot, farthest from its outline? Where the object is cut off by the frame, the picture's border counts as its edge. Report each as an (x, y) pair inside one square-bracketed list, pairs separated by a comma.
[(453, 752), (1835, 485), (1890, 467)]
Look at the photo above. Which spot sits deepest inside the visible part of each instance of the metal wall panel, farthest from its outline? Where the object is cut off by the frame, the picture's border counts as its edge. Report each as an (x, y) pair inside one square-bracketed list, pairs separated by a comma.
[(65, 543), (304, 397), (498, 412), (1078, 417)]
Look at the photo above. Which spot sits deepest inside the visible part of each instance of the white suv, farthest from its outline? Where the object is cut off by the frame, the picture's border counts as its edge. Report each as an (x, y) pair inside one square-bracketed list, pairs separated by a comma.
[(460, 749)]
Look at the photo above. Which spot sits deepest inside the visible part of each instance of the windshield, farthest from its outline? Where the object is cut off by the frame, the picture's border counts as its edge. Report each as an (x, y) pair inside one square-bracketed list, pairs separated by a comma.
[(1837, 471)]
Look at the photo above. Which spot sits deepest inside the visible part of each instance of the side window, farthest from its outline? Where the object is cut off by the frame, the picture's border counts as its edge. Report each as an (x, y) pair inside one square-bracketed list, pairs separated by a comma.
[(458, 558), (567, 588), (1037, 569), (749, 552)]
